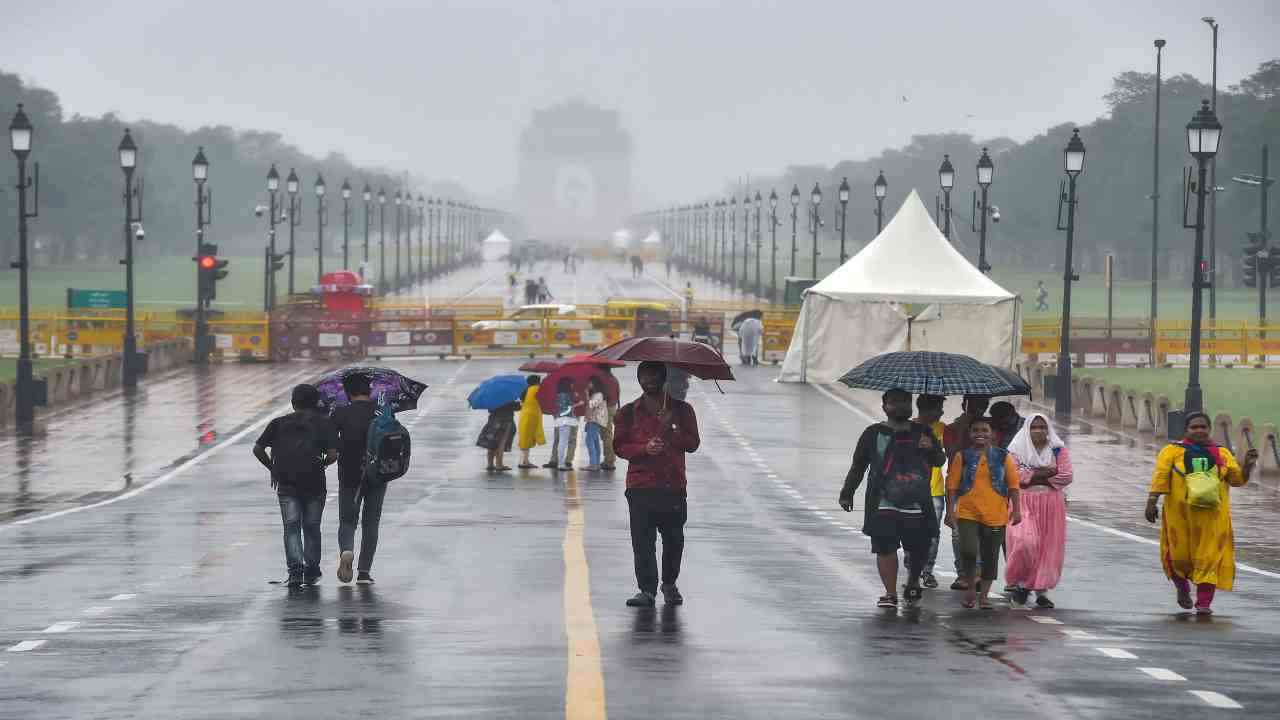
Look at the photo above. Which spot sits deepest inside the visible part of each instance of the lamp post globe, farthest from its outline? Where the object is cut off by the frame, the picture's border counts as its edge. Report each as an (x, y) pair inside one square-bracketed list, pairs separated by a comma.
[(128, 152), (946, 174), (795, 195), (20, 133), (367, 194), (382, 196), (815, 197), (773, 199), (320, 186), (273, 179), (200, 166), (986, 169), (881, 186), (291, 182), (346, 190), (1204, 133), (843, 195), (1073, 154), (844, 190)]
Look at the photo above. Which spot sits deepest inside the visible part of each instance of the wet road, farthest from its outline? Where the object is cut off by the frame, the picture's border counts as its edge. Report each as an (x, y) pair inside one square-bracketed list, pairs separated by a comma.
[(502, 596)]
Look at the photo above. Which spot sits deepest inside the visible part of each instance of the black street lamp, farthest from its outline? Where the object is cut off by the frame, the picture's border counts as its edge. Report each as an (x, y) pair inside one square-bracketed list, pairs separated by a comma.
[(1155, 204), (422, 229), (382, 241), (759, 202), (269, 266), (431, 237), (322, 221), (1213, 187), (1073, 159), (128, 152), (346, 224), (295, 219), (1203, 135), (746, 225), (20, 134), (946, 179), (200, 173), (399, 283), (732, 268), (882, 189), (366, 194), (773, 241), (844, 206), (986, 173), (795, 208), (815, 203)]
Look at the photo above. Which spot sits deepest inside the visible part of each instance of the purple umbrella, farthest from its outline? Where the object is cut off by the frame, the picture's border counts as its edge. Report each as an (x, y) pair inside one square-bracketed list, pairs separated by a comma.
[(399, 391)]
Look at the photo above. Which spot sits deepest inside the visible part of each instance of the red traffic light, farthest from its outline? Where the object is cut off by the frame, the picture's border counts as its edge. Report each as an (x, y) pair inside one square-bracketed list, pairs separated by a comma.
[(208, 262)]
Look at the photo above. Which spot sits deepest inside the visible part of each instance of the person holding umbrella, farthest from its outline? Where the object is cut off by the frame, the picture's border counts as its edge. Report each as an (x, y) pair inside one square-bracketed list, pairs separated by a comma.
[(654, 433), (529, 423), (501, 396)]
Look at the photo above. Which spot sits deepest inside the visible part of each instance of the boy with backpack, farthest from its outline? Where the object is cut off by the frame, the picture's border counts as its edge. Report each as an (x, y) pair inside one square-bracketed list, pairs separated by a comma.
[(301, 444), (900, 456), (374, 450)]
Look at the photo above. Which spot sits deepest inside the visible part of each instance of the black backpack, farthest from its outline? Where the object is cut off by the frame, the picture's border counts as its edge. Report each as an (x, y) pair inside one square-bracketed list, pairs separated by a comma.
[(906, 476), (386, 448), (294, 451)]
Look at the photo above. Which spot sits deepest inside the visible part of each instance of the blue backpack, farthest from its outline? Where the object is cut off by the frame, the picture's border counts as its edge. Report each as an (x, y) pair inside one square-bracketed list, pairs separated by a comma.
[(386, 455)]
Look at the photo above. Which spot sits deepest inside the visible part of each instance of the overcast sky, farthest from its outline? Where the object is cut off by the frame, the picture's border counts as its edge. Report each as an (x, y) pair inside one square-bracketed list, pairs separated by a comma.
[(709, 91)]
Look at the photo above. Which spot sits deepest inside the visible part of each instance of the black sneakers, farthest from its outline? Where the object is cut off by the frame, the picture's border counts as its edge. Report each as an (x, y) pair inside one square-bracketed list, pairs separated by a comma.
[(295, 580), (671, 595), (364, 578), (641, 599)]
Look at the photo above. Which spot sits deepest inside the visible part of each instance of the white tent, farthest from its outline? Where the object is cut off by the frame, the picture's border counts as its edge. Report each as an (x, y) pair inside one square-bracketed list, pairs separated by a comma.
[(910, 289), (496, 246)]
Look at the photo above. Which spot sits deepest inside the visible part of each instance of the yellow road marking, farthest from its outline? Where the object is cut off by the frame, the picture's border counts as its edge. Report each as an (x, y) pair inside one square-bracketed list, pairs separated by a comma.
[(584, 686)]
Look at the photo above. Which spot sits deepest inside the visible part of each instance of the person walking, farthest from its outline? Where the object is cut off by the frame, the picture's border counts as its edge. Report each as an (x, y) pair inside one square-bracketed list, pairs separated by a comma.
[(606, 435), (956, 438), (354, 492), (654, 433), (982, 486), (1005, 422), (544, 291), (529, 423), (496, 435), (1037, 546), (301, 444), (597, 418), (749, 334), (1197, 543), (896, 456), (566, 424), (530, 291), (929, 413), (1042, 297)]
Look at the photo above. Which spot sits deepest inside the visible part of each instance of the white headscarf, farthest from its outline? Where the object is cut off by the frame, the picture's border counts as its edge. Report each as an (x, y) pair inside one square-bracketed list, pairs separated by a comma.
[(1025, 452)]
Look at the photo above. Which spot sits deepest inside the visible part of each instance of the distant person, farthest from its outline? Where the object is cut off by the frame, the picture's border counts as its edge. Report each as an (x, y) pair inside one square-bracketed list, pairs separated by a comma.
[(597, 418), (669, 260), (529, 423), (568, 258), (637, 266), (982, 487), (544, 291), (896, 457), (1042, 297), (1006, 422), (654, 433), (354, 493), (688, 299), (749, 334), (530, 291), (301, 444), (1197, 545)]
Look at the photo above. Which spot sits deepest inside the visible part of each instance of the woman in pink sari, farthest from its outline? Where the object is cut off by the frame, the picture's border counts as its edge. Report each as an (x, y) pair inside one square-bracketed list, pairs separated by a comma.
[(1036, 546)]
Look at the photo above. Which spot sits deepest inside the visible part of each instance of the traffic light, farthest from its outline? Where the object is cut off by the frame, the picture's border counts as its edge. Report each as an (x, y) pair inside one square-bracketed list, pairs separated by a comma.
[(1271, 266), (1249, 261), (211, 271), (277, 261)]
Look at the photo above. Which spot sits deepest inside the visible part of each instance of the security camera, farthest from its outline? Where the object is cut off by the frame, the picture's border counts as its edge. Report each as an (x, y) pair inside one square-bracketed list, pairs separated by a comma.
[(138, 232), (995, 214), (258, 210)]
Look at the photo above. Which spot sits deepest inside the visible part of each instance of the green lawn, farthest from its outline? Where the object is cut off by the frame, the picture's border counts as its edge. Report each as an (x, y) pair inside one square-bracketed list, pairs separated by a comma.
[(1242, 392), (9, 367)]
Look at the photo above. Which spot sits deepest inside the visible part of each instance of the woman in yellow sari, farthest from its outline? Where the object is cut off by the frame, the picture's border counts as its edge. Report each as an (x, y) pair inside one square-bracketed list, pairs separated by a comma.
[(529, 423), (1197, 544)]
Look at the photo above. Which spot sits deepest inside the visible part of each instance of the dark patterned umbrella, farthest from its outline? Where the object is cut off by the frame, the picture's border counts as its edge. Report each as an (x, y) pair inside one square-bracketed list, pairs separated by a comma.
[(399, 391), (700, 361), (936, 373)]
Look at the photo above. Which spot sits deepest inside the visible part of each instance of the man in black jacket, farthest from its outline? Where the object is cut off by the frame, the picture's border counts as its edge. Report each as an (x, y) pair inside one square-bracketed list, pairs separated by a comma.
[(352, 422), (899, 454)]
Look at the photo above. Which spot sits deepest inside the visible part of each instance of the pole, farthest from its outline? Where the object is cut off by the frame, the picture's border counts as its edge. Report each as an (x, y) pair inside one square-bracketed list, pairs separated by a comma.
[(1213, 203), (346, 233), (201, 358), (295, 207), (1155, 208), (366, 235), (814, 228), (422, 248), (1194, 401), (382, 246), (794, 249), (1062, 395), (26, 410), (879, 215), (946, 213), (732, 267), (319, 239), (758, 287), (129, 374), (399, 283), (773, 262), (1264, 274), (269, 276), (844, 207), (982, 235), (746, 242)]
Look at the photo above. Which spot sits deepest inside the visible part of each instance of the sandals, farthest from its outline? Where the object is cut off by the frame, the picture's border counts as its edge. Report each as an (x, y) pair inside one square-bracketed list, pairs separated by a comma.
[(985, 604), (526, 466), (1184, 599), (887, 601)]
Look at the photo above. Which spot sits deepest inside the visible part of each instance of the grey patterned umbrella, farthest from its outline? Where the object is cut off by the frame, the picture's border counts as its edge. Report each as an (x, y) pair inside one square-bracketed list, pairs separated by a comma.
[(936, 373)]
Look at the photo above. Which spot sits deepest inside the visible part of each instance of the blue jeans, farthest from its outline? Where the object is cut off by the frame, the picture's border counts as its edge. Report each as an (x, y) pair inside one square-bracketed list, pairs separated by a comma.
[(301, 518), (593, 443), (349, 516)]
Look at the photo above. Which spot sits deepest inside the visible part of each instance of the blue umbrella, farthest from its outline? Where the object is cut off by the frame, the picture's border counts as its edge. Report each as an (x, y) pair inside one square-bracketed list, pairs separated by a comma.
[(498, 391), (936, 373)]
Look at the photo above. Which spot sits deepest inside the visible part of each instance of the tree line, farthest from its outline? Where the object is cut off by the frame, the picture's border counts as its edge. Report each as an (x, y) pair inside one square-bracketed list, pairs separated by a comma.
[(81, 185)]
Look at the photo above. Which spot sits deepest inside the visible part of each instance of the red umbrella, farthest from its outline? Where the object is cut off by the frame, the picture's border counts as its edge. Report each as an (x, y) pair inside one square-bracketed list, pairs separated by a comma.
[(578, 371), (540, 366), (697, 359)]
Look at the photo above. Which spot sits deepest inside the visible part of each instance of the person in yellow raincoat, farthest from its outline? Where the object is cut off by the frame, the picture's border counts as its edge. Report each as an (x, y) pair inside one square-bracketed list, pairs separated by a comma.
[(1197, 544), (529, 423)]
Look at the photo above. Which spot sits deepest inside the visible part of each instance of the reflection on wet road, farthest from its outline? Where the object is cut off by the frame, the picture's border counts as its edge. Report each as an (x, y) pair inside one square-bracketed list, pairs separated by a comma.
[(502, 595)]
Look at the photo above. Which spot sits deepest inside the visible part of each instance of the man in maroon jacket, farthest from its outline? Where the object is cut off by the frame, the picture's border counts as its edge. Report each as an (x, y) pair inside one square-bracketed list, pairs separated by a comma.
[(653, 434)]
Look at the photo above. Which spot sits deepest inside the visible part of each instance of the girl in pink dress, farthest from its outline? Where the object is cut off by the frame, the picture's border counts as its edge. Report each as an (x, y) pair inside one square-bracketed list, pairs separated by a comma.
[(1037, 546)]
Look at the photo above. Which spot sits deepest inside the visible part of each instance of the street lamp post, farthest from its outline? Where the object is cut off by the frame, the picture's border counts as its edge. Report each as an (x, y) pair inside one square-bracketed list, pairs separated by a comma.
[(399, 283), (366, 195), (759, 202), (844, 207), (1213, 188), (128, 152), (947, 180), (382, 241), (295, 219), (746, 231), (1073, 157), (1203, 135), (815, 203), (1155, 206), (269, 267), (732, 267), (200, 173), (773, 242), (322, 220), (422, 230), (346, 224), (20, 133), (986, 173), (795, 209), (882, 189)]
